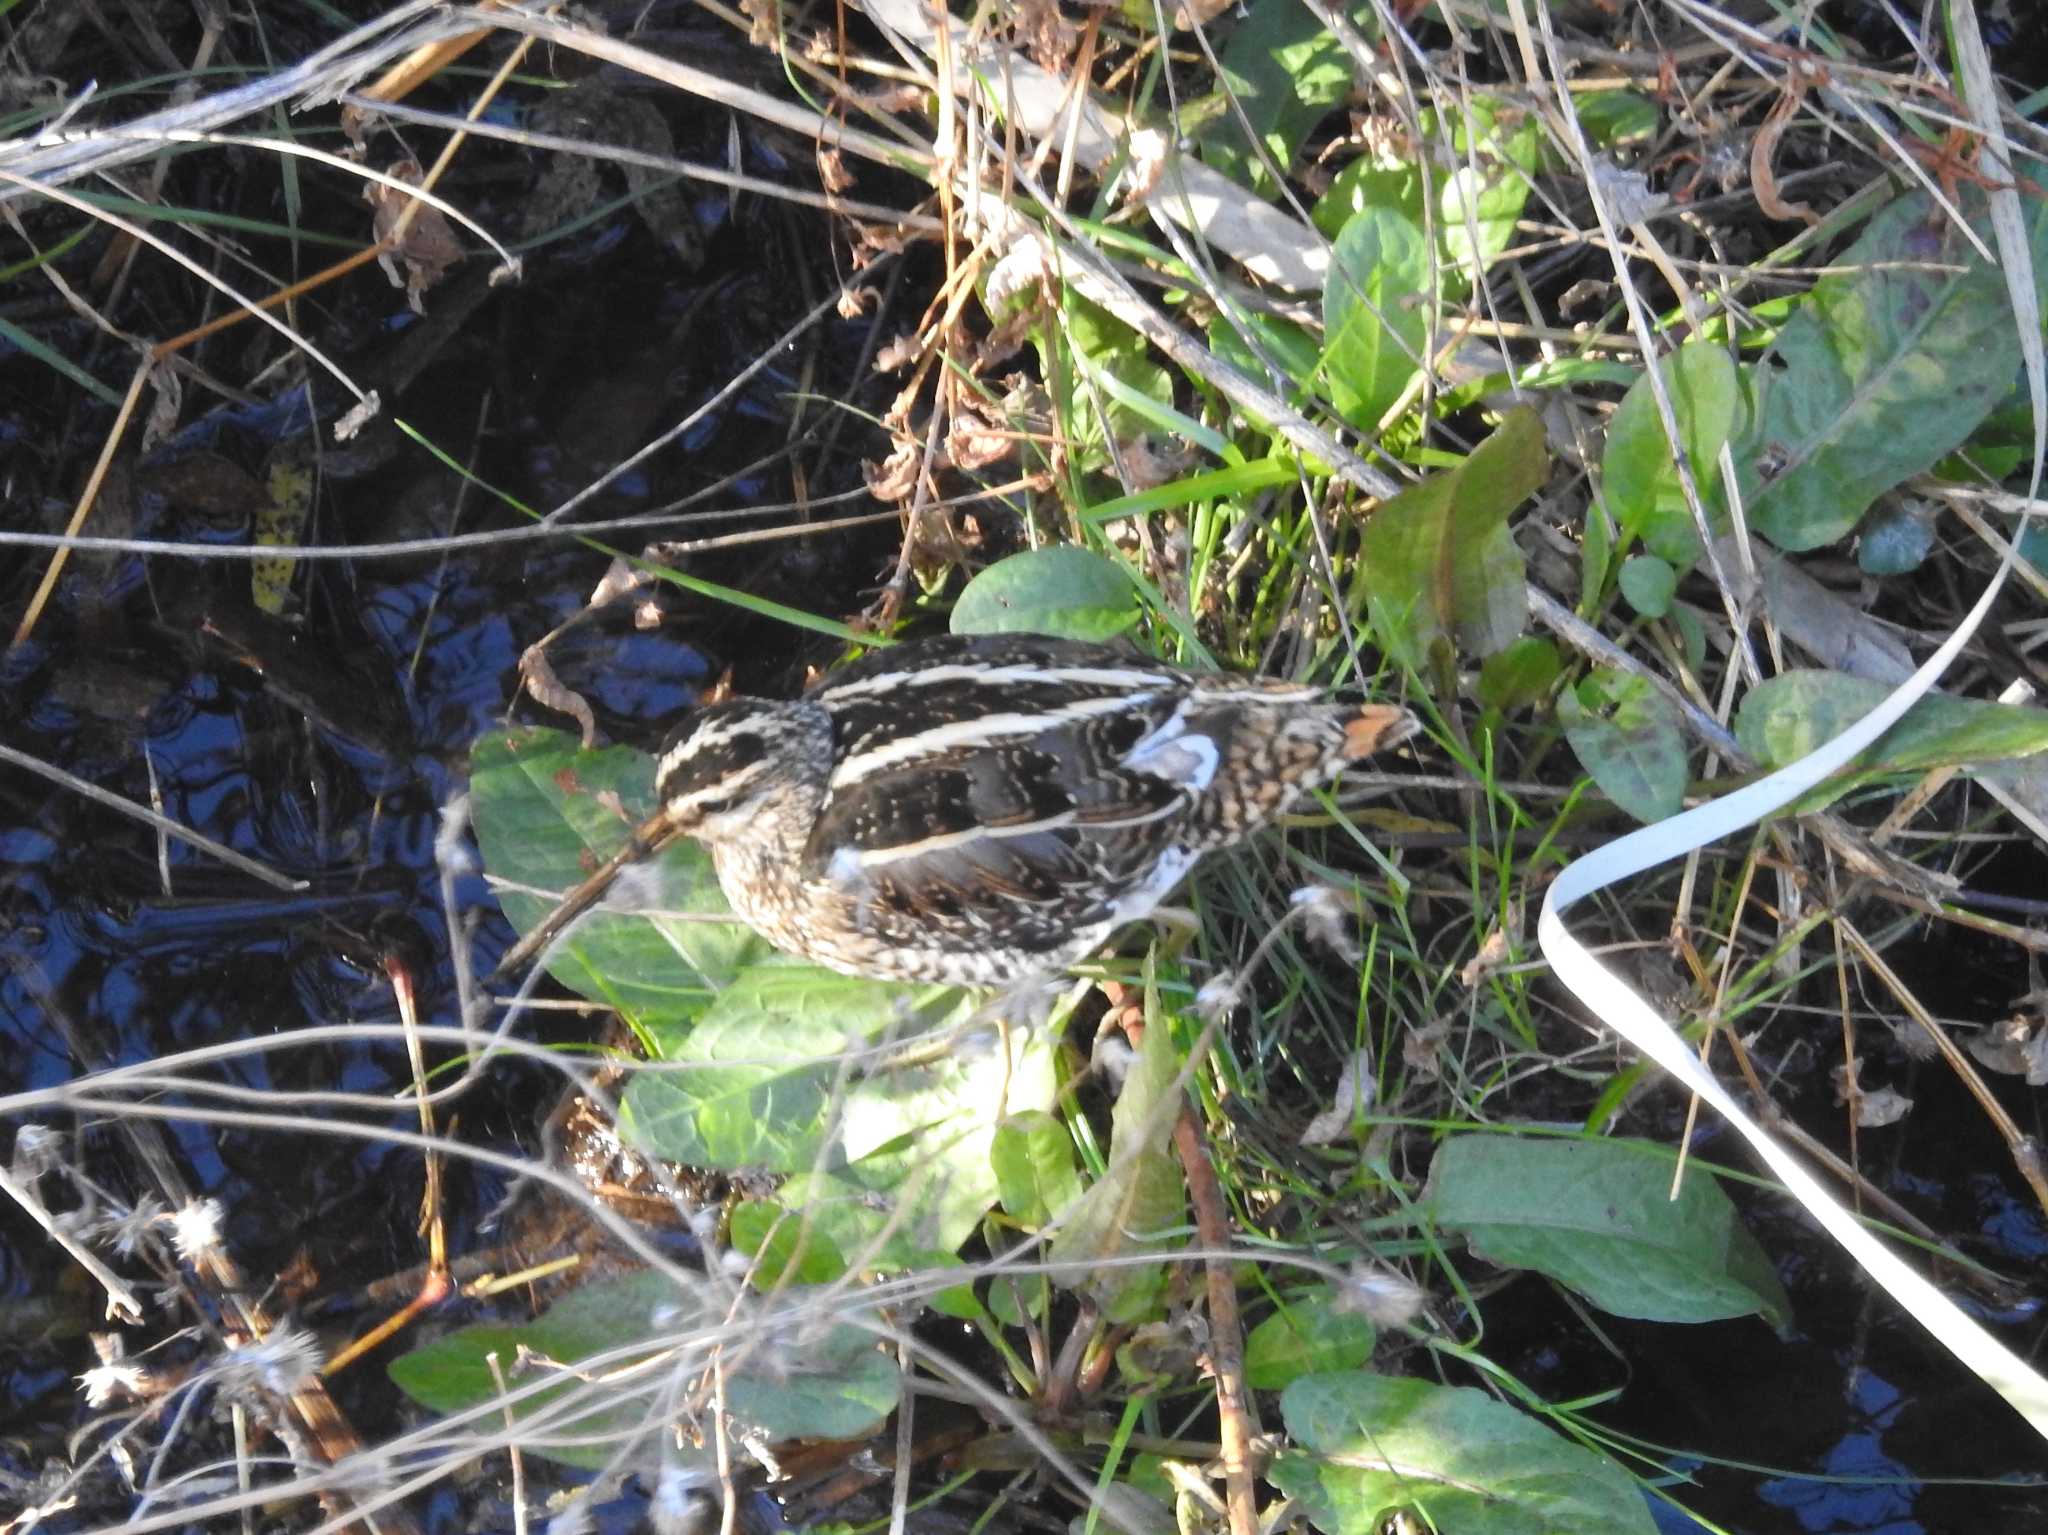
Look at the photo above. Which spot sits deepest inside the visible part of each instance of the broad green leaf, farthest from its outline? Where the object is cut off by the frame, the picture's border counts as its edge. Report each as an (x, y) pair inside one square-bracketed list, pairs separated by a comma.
[(1365, 184), (1371, 1445), (1649, 584), (844, 1389), (1883, 370), (1783, 719), (816, 1382), (1285, 71), (1064, 590), (1484, 152), (918, 1129), (1612, 118), (454, 1372), (750, 1083), (1629, 737), (1106, 348), (546, 813), (1440, 564), (1639, 477), (1518, 676), (1375, 313), (785, 1247), (1312, 1334), (1138, 1196), (1287, 349), (873, 1228), (1498, 146), (1033, 1157), (1598, 1217)]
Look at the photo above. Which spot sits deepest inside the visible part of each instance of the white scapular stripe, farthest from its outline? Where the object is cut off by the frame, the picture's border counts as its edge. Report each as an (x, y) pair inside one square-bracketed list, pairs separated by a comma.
[(983, 731), (1132, 680)]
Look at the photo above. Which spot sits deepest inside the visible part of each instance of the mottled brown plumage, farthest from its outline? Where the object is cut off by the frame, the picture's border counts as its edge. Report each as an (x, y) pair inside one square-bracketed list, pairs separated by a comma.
[(973, 810)]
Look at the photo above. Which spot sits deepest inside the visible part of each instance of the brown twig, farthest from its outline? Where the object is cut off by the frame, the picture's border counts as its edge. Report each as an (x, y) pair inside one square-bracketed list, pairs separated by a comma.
[(1239, 1423)]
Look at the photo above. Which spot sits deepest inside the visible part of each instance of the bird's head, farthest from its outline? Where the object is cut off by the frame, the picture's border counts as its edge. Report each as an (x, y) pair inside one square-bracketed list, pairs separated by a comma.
[(746, 768)]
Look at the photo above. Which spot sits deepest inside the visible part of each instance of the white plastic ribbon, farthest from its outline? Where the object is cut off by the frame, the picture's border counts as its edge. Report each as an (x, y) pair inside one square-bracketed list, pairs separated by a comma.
[(1625, 1011)]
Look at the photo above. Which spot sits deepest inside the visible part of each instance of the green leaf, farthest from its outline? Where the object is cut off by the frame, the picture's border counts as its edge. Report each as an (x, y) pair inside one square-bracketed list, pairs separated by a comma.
[(1104, 348), (1639, 476), (1879, 374), (751, 1082), (1649, 584), (546, 813), (1612, 118), (453, 1373), (1286, 71), (1596, 557), (1520, 675), (1598, 1216), (869, 1091), (1365, 184), (877, 1229), (1139, 1195), (919, 1130), (1439, 560), (785, 1247), (1629, 737), (1288, 350), (1033, 1157), (829, 1382), (1311, 1334), (1065, 590), (1372, 1445), (1783, 719), (806, 1379), (1498, 146), (1375, 312)]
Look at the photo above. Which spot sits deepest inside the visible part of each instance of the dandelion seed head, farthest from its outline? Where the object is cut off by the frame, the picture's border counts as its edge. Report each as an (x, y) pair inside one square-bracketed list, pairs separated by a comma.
[(125, 1230), (195, 1229), (452, 849), (281, 1365), (680, 1505), (37, 1149), (1218, 996), (1112, 1057), (115, 1381), (1331, 919)]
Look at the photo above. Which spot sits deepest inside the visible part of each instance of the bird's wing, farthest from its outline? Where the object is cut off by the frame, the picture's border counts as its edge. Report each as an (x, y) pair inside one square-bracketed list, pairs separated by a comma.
[(974, 828)]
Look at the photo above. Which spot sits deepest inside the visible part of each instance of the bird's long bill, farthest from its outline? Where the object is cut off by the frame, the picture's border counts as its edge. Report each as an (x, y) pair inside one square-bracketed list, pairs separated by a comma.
[(648, 838), (1376, 728)]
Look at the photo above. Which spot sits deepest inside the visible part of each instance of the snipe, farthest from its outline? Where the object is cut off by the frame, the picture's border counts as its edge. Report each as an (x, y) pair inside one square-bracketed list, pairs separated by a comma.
[(975, 810)]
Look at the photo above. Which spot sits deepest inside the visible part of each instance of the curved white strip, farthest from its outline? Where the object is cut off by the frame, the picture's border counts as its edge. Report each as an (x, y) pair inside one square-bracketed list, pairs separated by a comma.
[(1629, 1015)]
